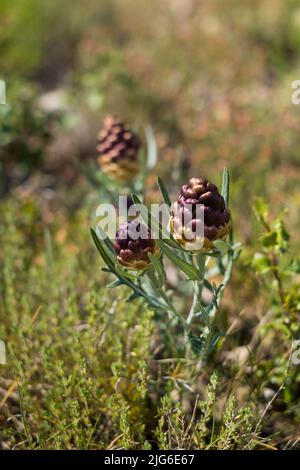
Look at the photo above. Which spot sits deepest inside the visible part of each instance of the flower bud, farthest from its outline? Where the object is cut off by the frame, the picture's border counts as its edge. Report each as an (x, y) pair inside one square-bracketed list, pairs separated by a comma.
[(133, 243), (215, 223), (118, 150)]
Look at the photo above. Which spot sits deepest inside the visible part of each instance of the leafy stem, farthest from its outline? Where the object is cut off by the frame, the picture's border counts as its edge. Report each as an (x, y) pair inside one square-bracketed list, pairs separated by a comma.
[(161, 294), (198, 288)]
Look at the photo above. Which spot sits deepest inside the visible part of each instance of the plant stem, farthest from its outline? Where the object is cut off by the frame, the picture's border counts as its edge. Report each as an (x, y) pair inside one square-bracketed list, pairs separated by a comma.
[(159, 292), (197, 287)]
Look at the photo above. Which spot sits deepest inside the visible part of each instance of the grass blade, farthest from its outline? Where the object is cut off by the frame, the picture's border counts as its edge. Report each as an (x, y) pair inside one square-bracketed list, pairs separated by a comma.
[(225, 186)]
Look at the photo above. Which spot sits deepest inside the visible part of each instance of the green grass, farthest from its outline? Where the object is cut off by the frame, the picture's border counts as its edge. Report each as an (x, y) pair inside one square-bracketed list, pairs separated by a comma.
[(87, 370), (81, 371)]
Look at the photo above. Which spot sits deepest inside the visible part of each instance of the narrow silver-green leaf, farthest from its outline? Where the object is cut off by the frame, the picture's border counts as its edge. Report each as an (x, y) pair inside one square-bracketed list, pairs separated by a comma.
[(106, 240), (191, 272), (106, 256), (159, 269), (225, 186), (123, 273), (164, 192), (222, 246), (114, 284)]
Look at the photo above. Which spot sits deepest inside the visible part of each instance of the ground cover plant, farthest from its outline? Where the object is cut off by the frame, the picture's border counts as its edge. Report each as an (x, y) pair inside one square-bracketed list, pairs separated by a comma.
[(165, 346)]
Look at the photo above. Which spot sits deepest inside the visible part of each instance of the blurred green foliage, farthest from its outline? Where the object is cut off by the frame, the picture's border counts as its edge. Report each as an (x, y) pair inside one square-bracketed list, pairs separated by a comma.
[(20, 37), (25, 130)]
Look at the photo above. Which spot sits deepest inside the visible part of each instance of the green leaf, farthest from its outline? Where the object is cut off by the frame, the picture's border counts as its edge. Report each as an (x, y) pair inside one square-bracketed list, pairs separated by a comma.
[(133, 296), (261, 208), (270, 239), (283, 236), (197, 343), (217, 294), (173, 244), (164, 192), (137, 290), (236, 246), (191, 272), (222, 246), (212, 254), (123, 273), (213, 342), (115, 283), (225, 186), (105, 254), (106, 240), (294, 267), (261, 263), (220, 265), (144, 212), (159, 268)]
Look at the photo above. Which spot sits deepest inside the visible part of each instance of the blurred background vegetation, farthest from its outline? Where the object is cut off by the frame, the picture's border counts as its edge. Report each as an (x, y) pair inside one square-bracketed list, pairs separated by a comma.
[(214, 81)]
